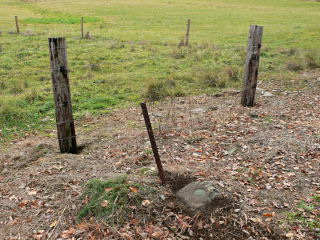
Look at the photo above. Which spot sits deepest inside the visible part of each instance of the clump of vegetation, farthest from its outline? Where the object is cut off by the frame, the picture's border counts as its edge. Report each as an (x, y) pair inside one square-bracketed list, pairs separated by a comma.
[(213, 78), (7, 107), (306, 213), (94, 67), (311, 60), (112, 199), (233, 73), (180, 53), (2, 85), (158, 91), (33, 96), (290, 52), (294, 65)]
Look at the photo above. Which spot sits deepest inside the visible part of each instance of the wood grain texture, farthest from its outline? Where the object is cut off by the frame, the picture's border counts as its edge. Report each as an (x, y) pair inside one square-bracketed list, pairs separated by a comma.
[(17, 24), (251, 66), (188, 32), (62, 97)]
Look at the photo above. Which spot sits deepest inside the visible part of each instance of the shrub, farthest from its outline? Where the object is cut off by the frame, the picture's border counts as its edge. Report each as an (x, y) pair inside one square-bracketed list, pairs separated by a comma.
[(211, 78), (179, 53), (233, 73), (33, 96), (294, 65), (2, 85), (311, 61), (157, 91)]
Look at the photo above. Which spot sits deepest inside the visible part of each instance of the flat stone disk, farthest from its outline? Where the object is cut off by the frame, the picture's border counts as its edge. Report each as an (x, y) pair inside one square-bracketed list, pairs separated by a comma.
[(200, 194)]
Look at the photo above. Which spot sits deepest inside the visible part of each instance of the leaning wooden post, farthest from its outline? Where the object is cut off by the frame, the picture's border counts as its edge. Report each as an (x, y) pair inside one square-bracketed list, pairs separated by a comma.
[(251, 66), (82, 30), (188, 32), (17, 24), (153, 141), (62, 98)]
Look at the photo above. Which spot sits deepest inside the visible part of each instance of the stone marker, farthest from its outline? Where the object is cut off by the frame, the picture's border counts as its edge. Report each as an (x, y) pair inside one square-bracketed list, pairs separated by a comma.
[(201, 195)]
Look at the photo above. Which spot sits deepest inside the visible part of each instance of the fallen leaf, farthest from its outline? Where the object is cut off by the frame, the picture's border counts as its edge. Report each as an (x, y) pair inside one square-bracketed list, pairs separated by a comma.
[(104, 203), (32, 192), (157, 234), (203, 174), (108, 189), (268, 214), (68, 233), (37, 236), (133, 189), (146, 203), (53, 224)]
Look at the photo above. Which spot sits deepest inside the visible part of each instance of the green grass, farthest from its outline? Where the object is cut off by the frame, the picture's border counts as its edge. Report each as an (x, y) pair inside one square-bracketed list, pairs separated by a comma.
[(112, 199), (135, 46), (306, 214), (65, 20)]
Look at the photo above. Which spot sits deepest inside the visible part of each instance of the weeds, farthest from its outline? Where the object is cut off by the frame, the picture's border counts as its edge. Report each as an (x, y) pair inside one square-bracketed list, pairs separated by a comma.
[(312, 61), (233, 73), (306, 213), (294, 65), (111, 200)]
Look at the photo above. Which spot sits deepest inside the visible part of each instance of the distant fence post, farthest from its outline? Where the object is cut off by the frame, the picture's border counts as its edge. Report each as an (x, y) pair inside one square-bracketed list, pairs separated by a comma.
[(82, 30), (62, 98), (17, 24), (251, 66), (188, 32)]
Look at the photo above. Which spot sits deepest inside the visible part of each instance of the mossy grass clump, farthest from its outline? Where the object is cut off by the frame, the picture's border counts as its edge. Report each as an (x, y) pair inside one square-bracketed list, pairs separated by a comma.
[(158, 91), (305, 213), (112, 199)]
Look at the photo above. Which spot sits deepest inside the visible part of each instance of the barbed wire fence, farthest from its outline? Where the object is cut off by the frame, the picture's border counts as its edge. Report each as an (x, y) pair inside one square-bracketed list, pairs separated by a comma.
[(76, 44)]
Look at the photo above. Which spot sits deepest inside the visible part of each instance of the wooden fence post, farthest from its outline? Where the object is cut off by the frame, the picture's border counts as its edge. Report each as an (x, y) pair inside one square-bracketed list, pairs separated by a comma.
[(17, 24), (188, 32), (62, 98), (252, 66), (82, 30)]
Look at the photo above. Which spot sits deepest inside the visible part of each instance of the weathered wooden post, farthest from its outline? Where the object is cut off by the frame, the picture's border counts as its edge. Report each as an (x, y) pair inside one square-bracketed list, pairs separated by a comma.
[(188, 32), (251, 66), (153, 141), (17, 24), (82, 30), (62, 98)]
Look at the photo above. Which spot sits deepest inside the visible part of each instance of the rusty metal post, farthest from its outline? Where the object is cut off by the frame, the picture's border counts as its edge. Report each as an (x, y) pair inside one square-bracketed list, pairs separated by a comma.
[(152, 141)]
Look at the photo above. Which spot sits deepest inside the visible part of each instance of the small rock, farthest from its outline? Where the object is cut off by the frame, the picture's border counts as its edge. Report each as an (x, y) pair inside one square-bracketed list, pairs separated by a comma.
[(201, 194), (276, 90), (213, 108), (162, 197), (267, 94), (46, 119), (28, 33), (199, 110)]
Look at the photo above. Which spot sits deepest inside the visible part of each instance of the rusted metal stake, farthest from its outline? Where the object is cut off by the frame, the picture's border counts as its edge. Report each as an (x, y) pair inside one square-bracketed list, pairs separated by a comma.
[(152, 141)]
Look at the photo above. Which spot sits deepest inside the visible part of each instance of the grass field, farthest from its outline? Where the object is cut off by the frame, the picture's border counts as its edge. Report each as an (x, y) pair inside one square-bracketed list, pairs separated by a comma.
[(134, 53)]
